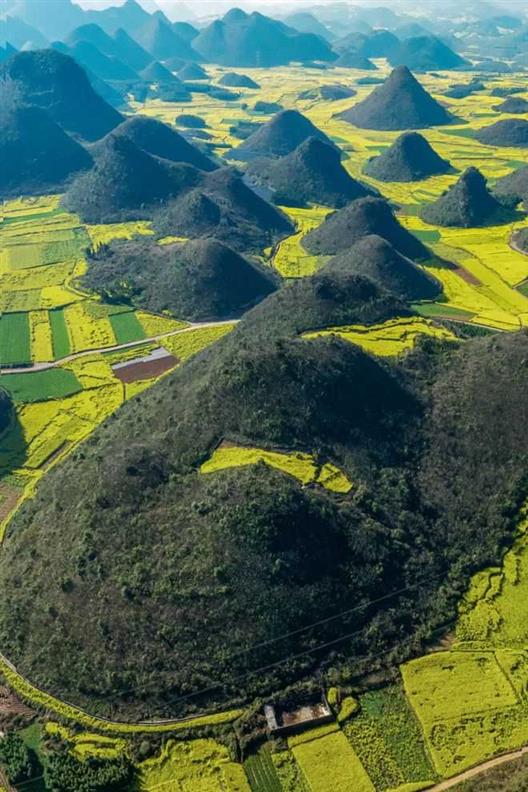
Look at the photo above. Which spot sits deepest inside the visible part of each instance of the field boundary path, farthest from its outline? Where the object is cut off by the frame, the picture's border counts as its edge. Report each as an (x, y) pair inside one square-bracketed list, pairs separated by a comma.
[(116, 348), (79, 715), (467, 775)]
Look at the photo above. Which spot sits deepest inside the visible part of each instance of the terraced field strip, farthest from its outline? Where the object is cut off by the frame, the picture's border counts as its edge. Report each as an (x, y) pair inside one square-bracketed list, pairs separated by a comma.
[(467, 706), (391, 338), (484, 290), (299, 465)]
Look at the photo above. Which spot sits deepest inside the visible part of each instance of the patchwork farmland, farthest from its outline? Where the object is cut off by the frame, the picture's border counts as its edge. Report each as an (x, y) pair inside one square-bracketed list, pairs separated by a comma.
[(69, 360)]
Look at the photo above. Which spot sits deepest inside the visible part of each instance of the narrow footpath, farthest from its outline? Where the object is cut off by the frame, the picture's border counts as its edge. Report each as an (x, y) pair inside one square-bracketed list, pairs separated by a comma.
[(467, 775)]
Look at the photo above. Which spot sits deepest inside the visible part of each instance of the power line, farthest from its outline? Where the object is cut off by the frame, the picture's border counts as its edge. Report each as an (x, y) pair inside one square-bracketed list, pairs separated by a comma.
[(294, 657), (299, 630)]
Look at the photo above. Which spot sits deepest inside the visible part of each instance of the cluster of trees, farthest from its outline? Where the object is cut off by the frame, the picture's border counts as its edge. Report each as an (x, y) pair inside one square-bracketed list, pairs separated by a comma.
[(62, 772), (65, 773), (17, 761)]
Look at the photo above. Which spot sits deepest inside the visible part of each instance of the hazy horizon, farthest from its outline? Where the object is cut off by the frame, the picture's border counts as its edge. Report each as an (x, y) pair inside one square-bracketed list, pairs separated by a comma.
[(198, 8)]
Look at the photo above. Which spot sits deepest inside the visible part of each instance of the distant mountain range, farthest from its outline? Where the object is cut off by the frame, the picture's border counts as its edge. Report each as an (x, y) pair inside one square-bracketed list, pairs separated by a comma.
[(349, 36)]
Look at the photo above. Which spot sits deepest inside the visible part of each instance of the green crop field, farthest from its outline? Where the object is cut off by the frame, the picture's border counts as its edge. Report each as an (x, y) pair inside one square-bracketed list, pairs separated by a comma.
[(39, 386), (15, 339), (261, 773), (59, 332), (126, 327), (386, 736)]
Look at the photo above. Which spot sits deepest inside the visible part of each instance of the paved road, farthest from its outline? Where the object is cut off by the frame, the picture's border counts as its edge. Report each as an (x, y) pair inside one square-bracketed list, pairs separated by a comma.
[(54, 363)]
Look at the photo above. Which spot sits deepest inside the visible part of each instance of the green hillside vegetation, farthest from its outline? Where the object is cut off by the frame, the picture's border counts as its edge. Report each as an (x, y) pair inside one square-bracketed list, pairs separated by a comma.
[(513, 188), (251, 547), (514, 104), (5, 409), (190, 121), (120, 46), (521, 239), (261, 106), (126, 182), (278, 137), (240, 39), (313, 173), (224, 207), (377, 43), (36, 154), (129, 51), (236, 80), (375, 258), (163, 141), (409, 158), (358, 219), (350, 59), (156, 72), (56, 83), (426, 53), (466, 204), (104, 67), (162, 41), (505, 90), (192, 71), (328, 93), (399, 103), (308, 23), (197, 281), (510, 132)]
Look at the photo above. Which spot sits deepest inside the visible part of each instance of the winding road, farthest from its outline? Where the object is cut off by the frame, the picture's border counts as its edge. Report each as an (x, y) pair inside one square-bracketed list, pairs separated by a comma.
[(467, 775), (129, 345)]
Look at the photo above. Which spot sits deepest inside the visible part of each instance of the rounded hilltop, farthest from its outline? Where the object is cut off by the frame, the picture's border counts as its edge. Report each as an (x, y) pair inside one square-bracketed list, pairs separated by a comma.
[(409, 158), (400, 103), (312, 173)]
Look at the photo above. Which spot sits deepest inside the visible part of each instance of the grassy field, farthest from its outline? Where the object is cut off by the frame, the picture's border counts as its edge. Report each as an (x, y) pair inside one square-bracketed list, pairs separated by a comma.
[(493, 301), (472, 701), (41, 257)]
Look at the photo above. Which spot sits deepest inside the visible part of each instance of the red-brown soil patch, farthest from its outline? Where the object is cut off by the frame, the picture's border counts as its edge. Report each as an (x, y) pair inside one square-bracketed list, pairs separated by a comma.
[(145, 369), (467, 276)]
